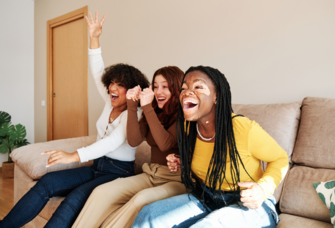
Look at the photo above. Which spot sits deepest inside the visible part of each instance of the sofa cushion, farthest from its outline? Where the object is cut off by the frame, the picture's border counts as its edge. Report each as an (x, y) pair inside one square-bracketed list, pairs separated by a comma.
[(289, 221), (143, 155), (315, 146), (281, 121), (326, 192), (30, 160), (298, 195)]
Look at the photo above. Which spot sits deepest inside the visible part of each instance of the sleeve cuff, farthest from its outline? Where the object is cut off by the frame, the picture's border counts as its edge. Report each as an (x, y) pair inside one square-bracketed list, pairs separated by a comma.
[(262, 187), (132, 104), (94, 51), (147, 108), (267, 188), (81, 153)]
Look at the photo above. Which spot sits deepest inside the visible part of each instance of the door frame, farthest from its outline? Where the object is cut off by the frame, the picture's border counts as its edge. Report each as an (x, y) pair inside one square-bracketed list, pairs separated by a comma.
[(74, 15)]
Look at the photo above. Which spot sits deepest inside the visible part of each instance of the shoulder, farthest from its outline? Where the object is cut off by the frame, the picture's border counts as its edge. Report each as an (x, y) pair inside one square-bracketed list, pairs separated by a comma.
[(242, 121), (244, 125)]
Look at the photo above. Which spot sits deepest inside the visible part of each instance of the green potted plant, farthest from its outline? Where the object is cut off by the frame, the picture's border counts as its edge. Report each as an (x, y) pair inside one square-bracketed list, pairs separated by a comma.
[(11, 137)]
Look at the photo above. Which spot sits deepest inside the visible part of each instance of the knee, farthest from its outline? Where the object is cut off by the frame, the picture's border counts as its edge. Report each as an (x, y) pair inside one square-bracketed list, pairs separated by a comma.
[(42, 187), (100, 191), (143, 198), (77, 197), (100, 194)]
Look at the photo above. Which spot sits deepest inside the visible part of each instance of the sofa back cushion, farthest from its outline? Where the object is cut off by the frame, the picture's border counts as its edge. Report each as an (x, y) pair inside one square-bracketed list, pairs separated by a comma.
[(313, 159), (281, 121), (315, 146)]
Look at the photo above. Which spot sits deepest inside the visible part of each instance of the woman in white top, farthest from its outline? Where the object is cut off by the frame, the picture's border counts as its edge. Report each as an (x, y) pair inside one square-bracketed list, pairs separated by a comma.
[(113, 156)]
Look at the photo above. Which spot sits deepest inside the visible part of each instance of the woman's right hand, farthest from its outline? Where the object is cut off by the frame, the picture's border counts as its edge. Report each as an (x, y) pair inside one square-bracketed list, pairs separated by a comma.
[(134, 93), (95, 27), (173, 163)]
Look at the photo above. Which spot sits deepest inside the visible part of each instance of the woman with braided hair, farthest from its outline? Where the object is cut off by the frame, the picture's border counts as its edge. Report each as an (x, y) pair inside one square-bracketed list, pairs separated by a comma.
[(220, 162)]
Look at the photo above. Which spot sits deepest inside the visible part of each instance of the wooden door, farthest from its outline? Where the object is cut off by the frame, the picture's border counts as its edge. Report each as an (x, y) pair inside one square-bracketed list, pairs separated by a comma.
[(67, 103)]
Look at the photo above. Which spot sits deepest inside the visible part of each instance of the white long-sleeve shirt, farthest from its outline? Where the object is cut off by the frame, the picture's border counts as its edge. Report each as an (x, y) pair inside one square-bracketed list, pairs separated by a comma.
[(113, 141)]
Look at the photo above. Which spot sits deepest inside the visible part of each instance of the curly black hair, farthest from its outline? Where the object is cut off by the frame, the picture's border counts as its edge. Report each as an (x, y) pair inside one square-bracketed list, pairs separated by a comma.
[(125, 74)]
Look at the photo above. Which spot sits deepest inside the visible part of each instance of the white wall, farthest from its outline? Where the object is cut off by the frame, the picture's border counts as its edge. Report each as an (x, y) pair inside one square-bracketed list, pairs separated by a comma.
[(270, 51), (17, 63)]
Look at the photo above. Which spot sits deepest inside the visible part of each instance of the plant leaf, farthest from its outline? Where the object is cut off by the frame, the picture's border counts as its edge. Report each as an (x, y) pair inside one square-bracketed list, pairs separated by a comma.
[(23, 142), (4, 129), (4, 117), (21, 132), (3, 148), (17, 132), (2, 139)]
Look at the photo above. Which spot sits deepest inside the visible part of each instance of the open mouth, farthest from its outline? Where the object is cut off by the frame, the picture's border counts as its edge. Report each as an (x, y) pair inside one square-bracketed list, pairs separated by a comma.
[(161, 99), (114, 96), (189, 105)]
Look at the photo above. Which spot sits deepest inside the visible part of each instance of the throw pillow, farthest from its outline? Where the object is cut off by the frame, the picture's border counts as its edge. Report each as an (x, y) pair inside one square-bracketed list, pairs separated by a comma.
[(326, 191)]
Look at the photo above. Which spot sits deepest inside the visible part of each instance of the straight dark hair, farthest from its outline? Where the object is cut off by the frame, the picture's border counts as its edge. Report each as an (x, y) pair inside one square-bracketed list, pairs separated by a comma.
[(225, 145)]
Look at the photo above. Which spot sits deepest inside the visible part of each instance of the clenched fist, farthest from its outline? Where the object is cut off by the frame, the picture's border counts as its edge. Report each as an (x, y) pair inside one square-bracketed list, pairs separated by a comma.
[(134, 93), (147, 96), (173, 163)]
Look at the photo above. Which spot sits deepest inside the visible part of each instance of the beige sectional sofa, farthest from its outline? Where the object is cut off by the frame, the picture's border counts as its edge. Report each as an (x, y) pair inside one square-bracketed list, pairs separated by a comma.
[(305, 130)]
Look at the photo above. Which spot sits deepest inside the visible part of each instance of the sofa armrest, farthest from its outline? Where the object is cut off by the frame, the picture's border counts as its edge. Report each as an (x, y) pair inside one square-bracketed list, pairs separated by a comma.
[(30, 160)]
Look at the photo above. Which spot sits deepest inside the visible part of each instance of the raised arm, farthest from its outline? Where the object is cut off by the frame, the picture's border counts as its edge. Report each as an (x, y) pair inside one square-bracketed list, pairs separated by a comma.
[(165, 139), (136, 131), (95, 59), (94, 29)]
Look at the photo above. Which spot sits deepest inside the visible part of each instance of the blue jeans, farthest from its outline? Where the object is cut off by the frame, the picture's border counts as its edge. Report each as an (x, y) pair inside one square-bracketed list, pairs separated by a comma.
[(76, 184), (187, 211)]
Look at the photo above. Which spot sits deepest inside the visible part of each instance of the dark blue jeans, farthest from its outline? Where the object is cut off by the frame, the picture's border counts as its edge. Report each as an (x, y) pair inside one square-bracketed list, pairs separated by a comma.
[(76, 184)]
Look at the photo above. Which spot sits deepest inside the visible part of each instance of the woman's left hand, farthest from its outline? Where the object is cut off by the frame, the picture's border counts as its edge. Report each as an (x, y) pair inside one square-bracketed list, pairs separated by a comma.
[(147, 96), (253, 196), (173, 163), (59, 156)]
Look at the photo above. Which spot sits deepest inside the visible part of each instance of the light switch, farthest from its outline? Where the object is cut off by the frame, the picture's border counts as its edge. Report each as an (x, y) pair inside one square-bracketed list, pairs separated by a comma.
[(43, 103)]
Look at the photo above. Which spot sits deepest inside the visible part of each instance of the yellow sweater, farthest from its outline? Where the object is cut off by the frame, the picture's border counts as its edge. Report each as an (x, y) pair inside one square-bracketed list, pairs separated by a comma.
[(253, 145)]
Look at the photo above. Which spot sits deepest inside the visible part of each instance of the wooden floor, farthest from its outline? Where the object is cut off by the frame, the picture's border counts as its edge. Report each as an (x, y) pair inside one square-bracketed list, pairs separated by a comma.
[(6, 196)]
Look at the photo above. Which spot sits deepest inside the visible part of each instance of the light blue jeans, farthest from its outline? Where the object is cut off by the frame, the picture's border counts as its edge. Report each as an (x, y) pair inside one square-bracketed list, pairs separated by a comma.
[(187, 211)]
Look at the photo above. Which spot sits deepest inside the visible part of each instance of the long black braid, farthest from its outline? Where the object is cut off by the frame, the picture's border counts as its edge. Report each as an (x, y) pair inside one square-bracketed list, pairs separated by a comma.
[(223, 149)]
